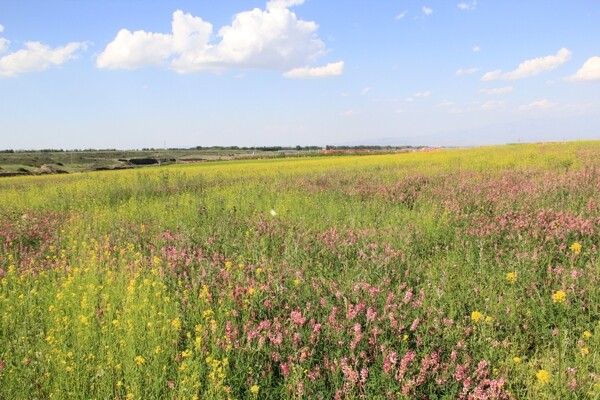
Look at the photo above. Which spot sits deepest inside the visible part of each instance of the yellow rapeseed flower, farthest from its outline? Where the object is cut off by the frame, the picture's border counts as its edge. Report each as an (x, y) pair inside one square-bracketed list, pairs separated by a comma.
[(254, 389), (476, 316), (584, 351), (176, 323), (139, 360), (543, 376), (511, 277), (559, 296), (576, 247)]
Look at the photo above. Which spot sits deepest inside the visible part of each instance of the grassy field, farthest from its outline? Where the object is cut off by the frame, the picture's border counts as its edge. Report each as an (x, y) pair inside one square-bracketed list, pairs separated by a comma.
[(470, 274)]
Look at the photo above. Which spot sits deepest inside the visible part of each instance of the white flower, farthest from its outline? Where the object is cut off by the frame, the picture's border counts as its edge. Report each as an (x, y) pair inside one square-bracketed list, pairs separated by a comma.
[(273, 213)]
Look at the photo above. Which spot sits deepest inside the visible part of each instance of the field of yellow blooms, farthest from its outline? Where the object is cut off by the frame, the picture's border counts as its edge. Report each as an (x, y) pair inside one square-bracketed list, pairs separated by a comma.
[(451, 274)]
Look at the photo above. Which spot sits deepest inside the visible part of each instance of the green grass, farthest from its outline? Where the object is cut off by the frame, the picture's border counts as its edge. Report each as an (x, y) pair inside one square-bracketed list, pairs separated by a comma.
[(436, 274)]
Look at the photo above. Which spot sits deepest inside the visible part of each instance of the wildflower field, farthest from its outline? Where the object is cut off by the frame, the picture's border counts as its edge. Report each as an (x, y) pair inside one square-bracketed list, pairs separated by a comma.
[(452, 274)]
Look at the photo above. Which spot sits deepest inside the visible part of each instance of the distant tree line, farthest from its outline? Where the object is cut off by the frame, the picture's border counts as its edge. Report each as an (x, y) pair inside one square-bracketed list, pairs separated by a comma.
[(382, 148), (55, 150), (220, 148)]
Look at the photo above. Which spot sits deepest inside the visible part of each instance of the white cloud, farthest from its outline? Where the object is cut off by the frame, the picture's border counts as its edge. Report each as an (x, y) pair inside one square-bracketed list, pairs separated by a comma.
[(492, 105), (531, 67), (493, 91), (537, 105), (365, 91), (467, 6), (588, 72), (446, 103), (37, 57), (283, 3), (466, 71), (476, 49), (4, 44), (426, 10), (331, 69), (401, 15), (347, 113), (271, 39), (410, 99)]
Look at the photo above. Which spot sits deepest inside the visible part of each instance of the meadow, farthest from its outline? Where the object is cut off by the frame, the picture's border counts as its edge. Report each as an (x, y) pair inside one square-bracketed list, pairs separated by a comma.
[(450, 274)]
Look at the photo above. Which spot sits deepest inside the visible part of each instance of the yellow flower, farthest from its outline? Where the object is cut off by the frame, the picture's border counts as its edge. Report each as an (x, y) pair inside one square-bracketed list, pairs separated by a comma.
[(130, 396), (584, 351), (251, 291), (476, 316), (543, 376), (176, 324), (228, 264), (517, 360), (254, 389), (139, 360), (587, 334), (576, 247), (559, 297), (511, 277), (489, 320), (259, 271)]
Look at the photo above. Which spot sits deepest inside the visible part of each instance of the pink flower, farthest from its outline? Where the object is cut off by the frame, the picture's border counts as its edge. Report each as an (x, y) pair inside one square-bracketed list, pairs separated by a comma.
[(297, 318), (415, 324)]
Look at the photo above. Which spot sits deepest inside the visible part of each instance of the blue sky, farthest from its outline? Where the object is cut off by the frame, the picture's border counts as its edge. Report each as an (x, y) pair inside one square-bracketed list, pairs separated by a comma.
[(134, 74)]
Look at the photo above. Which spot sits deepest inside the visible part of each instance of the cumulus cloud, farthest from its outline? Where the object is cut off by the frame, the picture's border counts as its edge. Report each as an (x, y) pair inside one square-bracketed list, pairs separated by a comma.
[(331, 69), (537, 105), (467, 6), (272, 39), (426, 10), (493, 91), (588, 72), (531, 67), (35, 56), (466, 71)]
